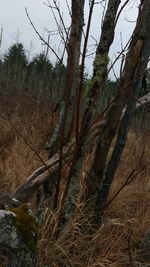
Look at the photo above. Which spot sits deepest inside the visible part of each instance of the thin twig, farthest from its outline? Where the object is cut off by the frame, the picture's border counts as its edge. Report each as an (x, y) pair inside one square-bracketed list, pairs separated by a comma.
[(134, 173), (29, 145), (41, 38)]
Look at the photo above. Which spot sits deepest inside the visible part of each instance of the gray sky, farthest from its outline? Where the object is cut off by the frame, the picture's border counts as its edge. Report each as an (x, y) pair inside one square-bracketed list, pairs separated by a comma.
[(16, 26)]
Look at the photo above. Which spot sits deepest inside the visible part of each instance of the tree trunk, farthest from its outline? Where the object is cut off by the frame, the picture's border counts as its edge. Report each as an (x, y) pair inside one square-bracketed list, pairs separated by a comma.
[(138, 55), (64, 126), (99, 76)]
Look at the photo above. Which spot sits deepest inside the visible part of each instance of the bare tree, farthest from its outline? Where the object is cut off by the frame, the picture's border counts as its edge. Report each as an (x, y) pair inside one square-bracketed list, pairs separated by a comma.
[(77, 126)]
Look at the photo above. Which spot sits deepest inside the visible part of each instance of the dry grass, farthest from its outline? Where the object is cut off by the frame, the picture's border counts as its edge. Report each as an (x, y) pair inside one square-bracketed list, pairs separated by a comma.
[(126, 218)]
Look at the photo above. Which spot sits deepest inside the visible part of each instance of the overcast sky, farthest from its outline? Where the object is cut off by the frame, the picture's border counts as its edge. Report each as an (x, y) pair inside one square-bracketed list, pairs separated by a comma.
[(16, 26)]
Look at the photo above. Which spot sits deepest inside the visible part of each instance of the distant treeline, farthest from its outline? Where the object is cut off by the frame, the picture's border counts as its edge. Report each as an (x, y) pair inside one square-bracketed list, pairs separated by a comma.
[(38, 77), (42, 79)]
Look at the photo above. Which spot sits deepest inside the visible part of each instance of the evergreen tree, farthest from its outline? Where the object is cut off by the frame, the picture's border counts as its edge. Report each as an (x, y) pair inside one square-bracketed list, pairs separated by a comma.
[(39, 74), (14, 66), (41, 65), (16, 56)]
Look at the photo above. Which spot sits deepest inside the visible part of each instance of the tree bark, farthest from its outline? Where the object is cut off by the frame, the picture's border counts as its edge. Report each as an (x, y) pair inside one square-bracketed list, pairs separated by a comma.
[(64, 126), (100, 63), (99, 76), (139, 51)]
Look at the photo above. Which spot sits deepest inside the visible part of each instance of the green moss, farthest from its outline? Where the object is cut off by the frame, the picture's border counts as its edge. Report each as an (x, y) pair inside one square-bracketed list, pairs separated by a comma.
[(26, 224), (88, 87), (100, 65)]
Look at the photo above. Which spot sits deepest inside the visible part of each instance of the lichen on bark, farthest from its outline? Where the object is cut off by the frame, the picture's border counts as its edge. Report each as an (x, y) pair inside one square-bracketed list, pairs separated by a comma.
[(100, 65), (27, 225), (18, 229)]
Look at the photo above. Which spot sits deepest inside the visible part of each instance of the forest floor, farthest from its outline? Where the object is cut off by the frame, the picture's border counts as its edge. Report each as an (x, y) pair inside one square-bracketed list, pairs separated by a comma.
[(24, 128)]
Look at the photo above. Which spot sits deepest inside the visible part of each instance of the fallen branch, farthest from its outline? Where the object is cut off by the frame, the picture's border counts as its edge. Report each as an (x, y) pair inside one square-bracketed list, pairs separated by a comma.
[(143, 101), (45, 173), (40, 177)]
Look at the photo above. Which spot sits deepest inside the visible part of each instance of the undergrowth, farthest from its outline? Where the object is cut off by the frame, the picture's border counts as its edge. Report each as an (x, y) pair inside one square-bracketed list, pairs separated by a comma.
[(126, 218)]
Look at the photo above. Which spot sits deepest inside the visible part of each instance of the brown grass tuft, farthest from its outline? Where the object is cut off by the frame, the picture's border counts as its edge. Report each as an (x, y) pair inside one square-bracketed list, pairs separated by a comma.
[(126, 219)]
